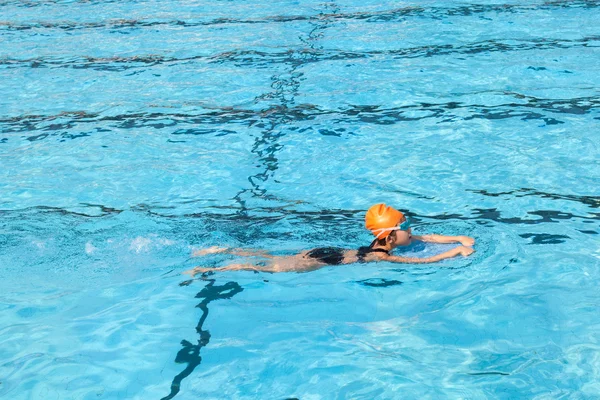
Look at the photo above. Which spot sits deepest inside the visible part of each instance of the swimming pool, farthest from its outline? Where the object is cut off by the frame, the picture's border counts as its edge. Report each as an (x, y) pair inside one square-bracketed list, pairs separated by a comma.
[(133, 132)]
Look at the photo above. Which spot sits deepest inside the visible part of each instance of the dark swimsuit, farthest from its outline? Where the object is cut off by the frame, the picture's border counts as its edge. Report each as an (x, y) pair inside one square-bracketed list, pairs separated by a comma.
[(328, 255), (335, 255), (363, 251)]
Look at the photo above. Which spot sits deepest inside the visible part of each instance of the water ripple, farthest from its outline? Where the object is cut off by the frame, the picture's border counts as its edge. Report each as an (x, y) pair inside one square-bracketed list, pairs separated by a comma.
[(258, 58), (75, 125), (328, 216), (395, 14)]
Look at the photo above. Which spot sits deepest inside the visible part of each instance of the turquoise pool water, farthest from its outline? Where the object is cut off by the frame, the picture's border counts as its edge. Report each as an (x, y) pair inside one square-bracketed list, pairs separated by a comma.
[(133, 132)]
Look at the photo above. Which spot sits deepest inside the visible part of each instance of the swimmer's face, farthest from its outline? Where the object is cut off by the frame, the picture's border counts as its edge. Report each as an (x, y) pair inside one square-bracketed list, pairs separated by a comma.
[(402, 238)]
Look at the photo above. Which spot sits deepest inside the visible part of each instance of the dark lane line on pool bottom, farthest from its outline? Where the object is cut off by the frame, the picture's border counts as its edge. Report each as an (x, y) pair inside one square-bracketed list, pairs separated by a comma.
[(190, 353)]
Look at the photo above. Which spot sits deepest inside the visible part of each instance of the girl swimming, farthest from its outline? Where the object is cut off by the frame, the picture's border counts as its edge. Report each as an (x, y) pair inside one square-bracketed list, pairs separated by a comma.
[(390, 228)]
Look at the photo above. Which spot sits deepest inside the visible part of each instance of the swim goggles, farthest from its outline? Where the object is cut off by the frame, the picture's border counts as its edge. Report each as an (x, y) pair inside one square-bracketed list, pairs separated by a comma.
[(402, 227)]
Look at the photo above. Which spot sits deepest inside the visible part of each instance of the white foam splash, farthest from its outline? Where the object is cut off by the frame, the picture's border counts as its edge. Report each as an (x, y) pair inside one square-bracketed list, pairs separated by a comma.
[(90, 248), (166, 242), (140, 244)]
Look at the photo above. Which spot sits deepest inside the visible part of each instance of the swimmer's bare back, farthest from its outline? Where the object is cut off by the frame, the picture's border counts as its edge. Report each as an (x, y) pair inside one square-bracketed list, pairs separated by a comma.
[(304, 262)]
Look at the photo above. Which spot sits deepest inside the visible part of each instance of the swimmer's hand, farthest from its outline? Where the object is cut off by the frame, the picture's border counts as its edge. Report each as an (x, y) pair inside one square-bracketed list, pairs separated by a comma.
[(464, 251), (466, 241), (210, 250)]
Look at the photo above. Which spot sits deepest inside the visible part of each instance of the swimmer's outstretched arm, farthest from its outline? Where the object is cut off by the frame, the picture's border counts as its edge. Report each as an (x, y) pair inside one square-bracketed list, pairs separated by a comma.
[(464, 240), (235, 252), (462, 250)]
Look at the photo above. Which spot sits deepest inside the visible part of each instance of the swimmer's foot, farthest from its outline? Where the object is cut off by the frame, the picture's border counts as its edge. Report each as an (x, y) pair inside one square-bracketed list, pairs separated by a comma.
[(210, 250), (196, 271)]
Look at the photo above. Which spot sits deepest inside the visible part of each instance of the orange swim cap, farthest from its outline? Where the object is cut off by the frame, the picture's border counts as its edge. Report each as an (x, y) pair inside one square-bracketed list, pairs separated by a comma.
[(380, 217)]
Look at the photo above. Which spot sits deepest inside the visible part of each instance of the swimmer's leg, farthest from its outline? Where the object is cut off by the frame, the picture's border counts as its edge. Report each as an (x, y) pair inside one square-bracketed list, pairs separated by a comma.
[(210, 250), (236, 252), (232, 267)]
